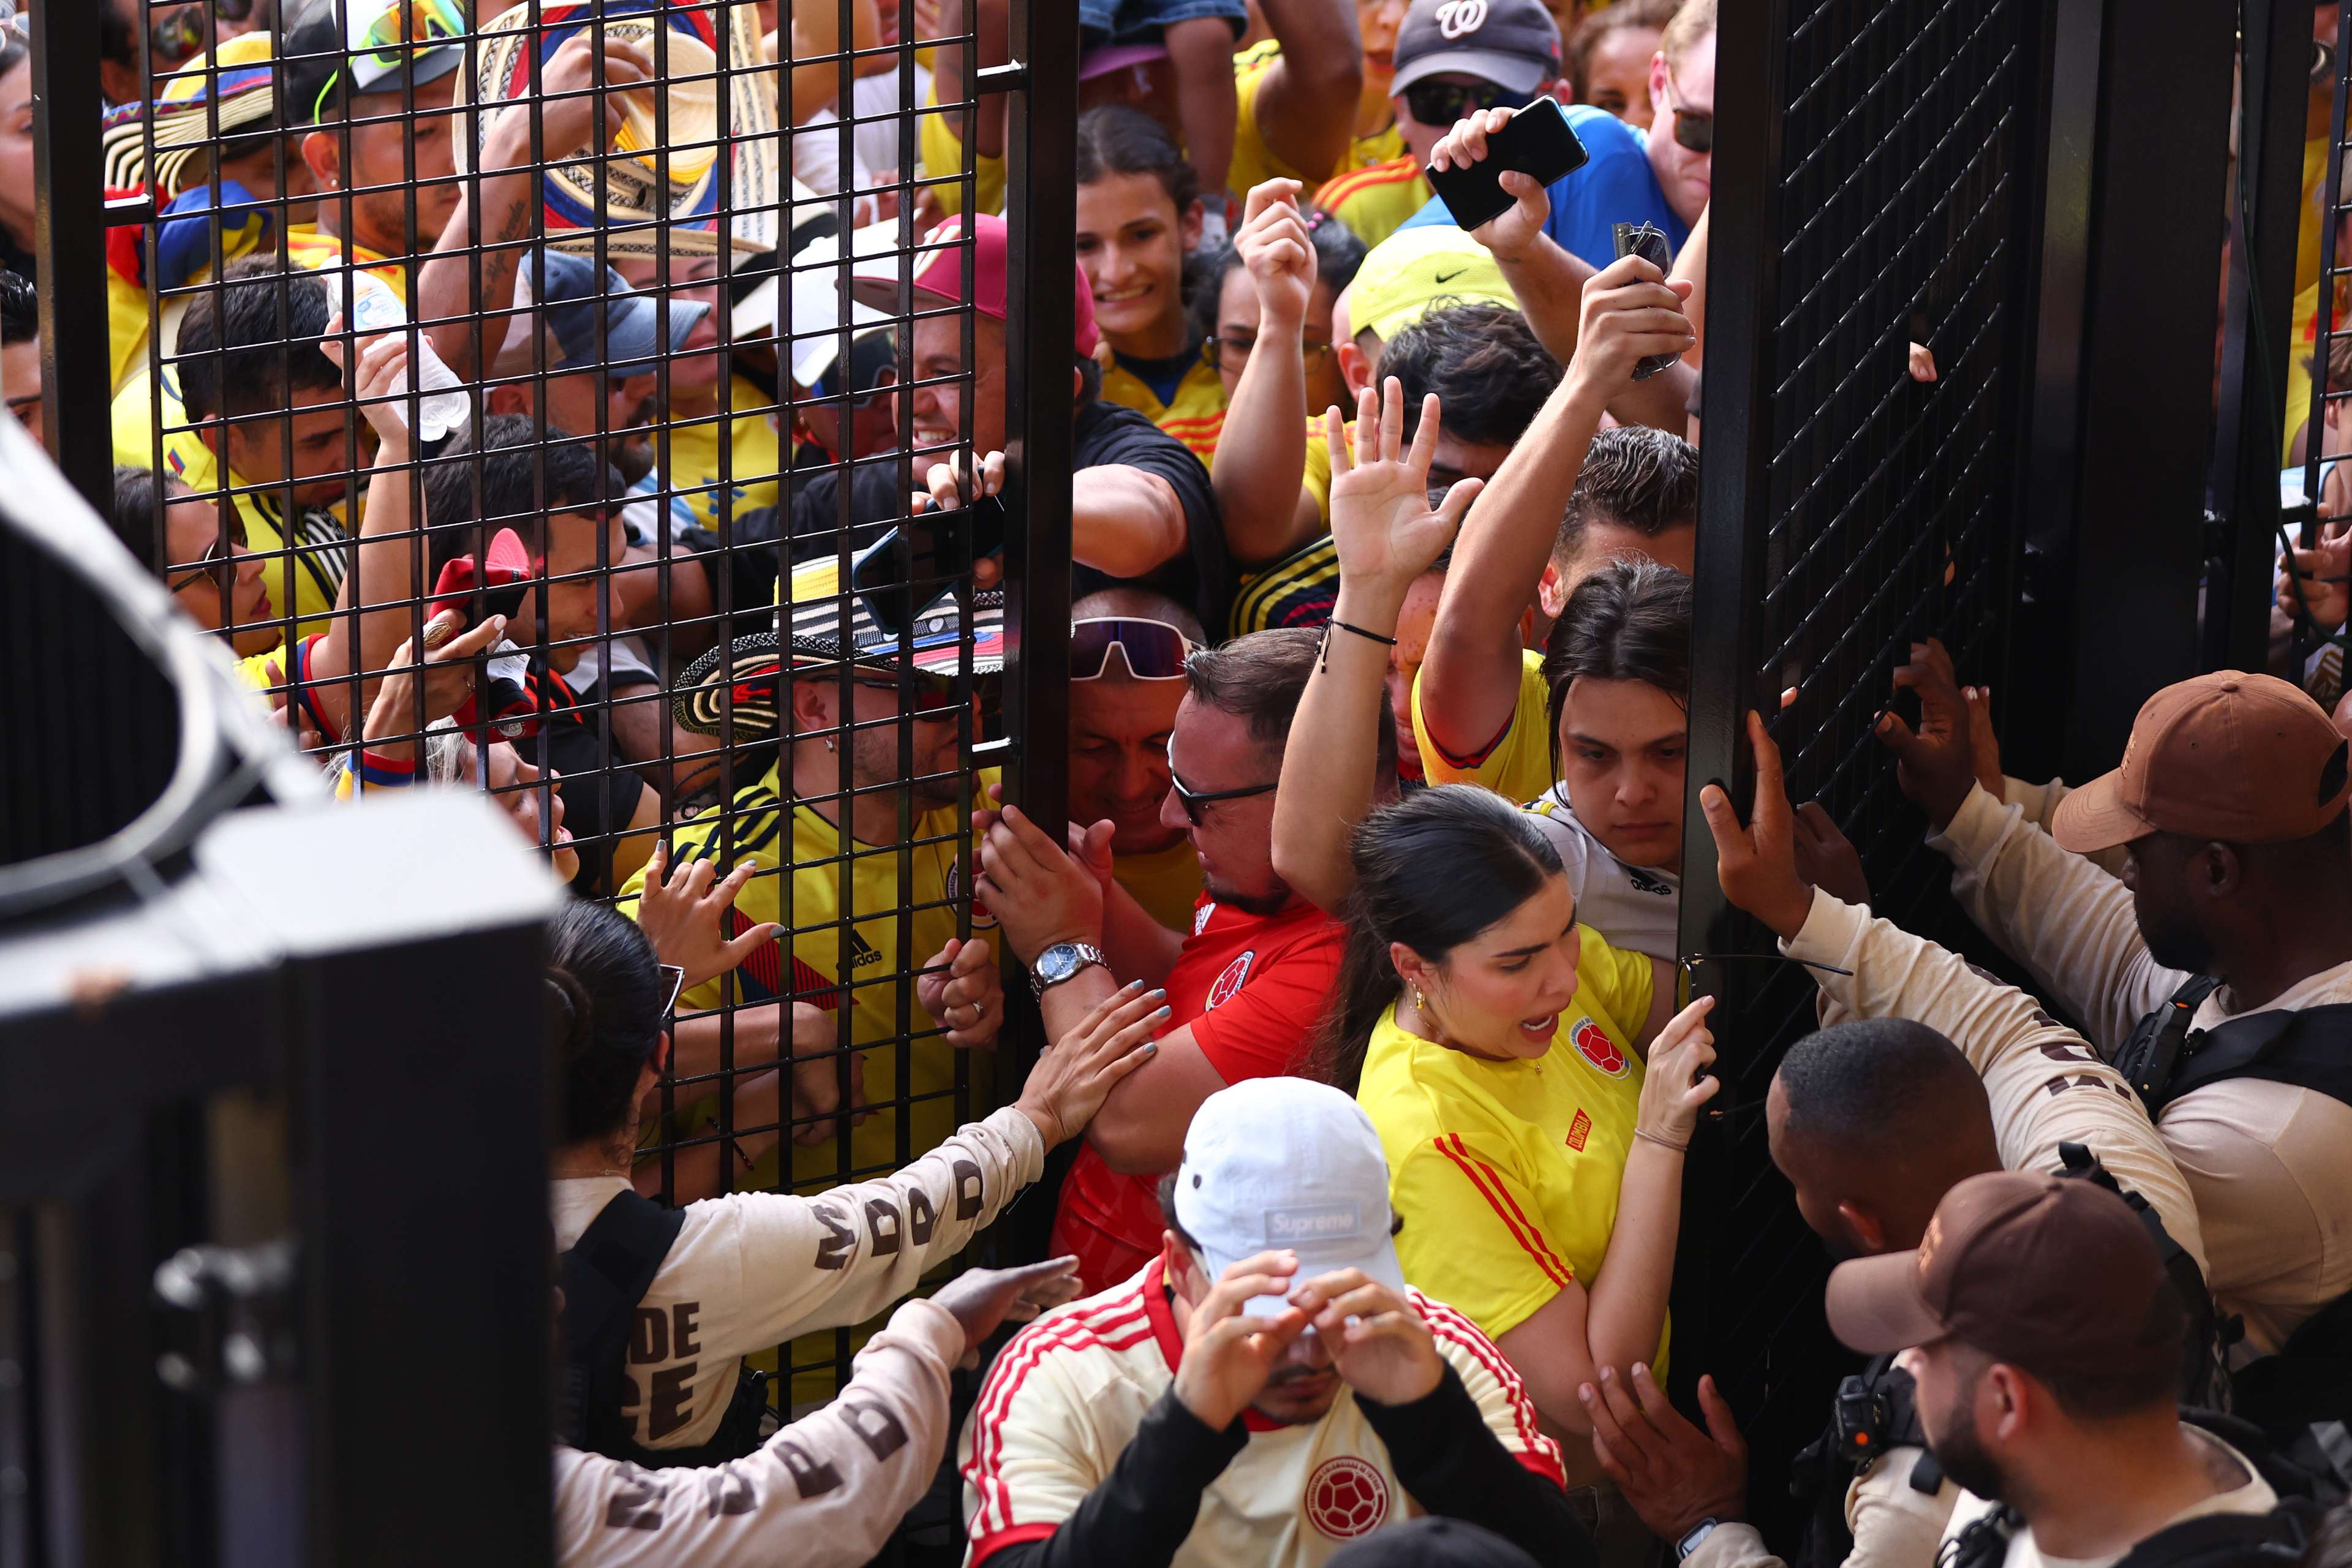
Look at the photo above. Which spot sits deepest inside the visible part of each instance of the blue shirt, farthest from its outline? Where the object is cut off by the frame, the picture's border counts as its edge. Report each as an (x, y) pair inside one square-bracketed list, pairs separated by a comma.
[(1615, 185)]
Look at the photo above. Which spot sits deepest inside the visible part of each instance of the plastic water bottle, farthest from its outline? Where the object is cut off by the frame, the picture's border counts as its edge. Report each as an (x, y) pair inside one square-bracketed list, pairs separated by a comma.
[(376, 309)]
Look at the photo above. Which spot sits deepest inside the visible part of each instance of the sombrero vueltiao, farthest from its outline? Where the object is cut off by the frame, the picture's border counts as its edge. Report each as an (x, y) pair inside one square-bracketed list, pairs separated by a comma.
[(637, 205), (237, 76), (749, 673)]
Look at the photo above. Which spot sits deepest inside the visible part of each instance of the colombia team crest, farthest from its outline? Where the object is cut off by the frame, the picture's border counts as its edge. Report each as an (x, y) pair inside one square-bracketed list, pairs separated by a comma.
[(1229, 983), (1593, 1044), (1347, 1497)]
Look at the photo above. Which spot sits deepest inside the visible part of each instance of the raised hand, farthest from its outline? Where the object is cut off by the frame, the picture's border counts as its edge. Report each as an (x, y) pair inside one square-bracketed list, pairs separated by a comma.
[(1379, 1343), (982, 1298), (382, 361), (1826, 858), (1076, 1073), (2324, 574), (1229, 1355), (1935, 765), (1516, 230), (683, 913), (446, 674), (1756, 865), (1673, 1474), (573, 116), (962, 987), (1676, 1083), (1038, 894), (1274, 245), (1383, 528), (1630, 311)]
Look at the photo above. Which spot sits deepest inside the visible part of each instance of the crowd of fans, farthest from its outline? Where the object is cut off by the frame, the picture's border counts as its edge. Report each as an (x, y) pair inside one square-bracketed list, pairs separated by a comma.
[(536, 407)]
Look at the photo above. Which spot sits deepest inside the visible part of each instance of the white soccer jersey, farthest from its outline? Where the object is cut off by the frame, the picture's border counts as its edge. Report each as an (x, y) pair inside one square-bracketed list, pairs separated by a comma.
[(1066, 1397), (1635, 907)]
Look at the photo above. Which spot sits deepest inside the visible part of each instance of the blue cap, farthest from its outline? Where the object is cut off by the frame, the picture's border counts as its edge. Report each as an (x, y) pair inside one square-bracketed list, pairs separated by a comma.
[(566, 290)]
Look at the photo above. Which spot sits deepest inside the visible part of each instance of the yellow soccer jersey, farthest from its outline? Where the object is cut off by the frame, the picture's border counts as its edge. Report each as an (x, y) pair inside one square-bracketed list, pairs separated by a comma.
[(1253, 162), (942, 156), (1200, 395), (1374, 203), (306, 246), (1518, 762), (690, 465), (1507, 1173), (310, 575), (1167, 882), (1064, 1398)]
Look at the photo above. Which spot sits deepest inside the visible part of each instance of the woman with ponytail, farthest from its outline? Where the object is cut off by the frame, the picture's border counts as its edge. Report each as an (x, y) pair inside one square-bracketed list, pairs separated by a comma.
[(731, 1276), (1533, 1088)]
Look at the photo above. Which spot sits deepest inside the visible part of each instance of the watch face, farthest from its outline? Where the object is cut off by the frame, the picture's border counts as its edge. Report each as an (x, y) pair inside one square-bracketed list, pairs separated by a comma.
[(1057, 962)]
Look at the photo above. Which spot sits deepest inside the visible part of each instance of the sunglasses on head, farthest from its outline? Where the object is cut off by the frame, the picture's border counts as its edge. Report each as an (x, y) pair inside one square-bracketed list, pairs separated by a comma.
[(397, 32), (1443, 103), (1192, 800), (218, 561), (1152, 650)]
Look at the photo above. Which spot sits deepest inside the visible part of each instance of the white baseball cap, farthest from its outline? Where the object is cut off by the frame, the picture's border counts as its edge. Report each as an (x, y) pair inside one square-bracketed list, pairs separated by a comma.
[(1286, 1163)]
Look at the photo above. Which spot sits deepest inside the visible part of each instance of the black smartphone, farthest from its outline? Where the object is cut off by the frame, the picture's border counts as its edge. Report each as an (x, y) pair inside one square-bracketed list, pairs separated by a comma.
[(1538, 140), (1648, 241), (940, 549)]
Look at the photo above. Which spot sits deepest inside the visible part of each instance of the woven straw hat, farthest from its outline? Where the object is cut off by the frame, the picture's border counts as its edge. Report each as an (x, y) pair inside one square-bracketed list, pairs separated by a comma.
[(702, 142), (237, 75)]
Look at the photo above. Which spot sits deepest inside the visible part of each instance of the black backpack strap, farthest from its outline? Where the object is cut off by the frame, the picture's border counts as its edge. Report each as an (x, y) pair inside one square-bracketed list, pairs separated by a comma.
[(1983, 1542), (2274, 1539), (606, 1274), (2310, 1047), (1875, 1410), (2148, 1057), (2309, 1380), (2205, 1379)]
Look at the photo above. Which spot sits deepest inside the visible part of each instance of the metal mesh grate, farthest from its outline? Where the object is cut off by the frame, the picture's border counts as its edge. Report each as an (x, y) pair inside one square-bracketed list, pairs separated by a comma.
[(717, 489), (1856, 510)]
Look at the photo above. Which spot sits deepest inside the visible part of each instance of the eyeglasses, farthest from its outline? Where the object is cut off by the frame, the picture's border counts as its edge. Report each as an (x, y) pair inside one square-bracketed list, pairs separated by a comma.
[(673, 982), (1152, 650), (218, 561), (394, 35), (1443, 103), (172, 35), (1232, 353), (1694, 127), (927, 694), (1192, 800)]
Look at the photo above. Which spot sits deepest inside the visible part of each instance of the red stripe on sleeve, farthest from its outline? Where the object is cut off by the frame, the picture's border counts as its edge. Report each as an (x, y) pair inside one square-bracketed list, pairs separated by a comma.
[(1489, 1185)]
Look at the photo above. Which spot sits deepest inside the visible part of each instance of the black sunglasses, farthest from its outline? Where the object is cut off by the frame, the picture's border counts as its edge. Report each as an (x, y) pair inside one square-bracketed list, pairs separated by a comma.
[(1443, 103), (673, 982), (1193, 800), (1694, 127)]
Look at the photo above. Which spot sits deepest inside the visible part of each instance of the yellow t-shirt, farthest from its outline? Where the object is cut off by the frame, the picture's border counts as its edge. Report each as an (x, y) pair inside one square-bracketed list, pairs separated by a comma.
[(1520, 764), (941, 155), (1200, 397), (310, 575), (1166, 882), (1255, 162), (690, 465), (1507, 1173), (1375, 202)]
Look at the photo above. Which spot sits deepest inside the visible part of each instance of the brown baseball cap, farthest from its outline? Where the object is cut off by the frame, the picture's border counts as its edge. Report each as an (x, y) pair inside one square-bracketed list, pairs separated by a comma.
[(2041, 1272), (2242, 759)]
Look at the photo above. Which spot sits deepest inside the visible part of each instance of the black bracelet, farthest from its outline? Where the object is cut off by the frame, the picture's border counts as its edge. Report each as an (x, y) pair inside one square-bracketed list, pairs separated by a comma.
[(1323, 648)]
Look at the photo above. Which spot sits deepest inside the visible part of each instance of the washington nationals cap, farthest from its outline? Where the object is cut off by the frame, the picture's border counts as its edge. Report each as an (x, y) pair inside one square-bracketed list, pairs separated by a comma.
[(2242, 759), (1513, 44), (2044, 1272), (1286, 1163)]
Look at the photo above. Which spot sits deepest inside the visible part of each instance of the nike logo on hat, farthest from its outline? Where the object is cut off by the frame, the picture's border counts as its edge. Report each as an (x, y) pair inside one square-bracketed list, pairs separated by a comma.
[(1448, 276)]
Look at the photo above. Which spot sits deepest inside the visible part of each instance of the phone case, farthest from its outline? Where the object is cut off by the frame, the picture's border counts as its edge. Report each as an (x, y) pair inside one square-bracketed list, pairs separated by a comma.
[(1649, 242), (1539, 141)]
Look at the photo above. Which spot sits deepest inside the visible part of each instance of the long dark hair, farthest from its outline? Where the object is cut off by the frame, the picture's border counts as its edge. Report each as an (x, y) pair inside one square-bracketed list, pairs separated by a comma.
[(603, 1014), (1117, 139), (1432, 870), (1339, 255), (1629, 621)]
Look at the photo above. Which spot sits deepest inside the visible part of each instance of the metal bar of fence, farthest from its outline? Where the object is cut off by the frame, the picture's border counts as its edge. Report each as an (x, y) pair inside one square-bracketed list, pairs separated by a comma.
[(70, 248), (2258, 350)]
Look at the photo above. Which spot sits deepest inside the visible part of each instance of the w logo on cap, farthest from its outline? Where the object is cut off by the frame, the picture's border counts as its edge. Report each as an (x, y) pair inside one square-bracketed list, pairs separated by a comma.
[(1456, 18)]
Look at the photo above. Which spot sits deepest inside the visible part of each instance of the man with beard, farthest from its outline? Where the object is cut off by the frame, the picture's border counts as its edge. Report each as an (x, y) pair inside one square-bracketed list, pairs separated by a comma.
[(1244, 986), (1127, 679), (1928, 1072), (2235, 904), (1264, 1388), (2045, 1340)]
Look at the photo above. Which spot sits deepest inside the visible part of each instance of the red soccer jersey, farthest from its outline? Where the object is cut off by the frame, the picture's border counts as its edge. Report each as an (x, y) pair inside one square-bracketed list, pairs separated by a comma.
[(1250, 987)]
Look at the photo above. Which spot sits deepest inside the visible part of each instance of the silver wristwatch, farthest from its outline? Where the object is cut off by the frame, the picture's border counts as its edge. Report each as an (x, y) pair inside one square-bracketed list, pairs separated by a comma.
[(1691, 1537), (1060, 961)]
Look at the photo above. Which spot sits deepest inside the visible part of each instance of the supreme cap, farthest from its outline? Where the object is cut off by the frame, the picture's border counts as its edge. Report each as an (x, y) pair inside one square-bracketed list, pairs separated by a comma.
[(1286, 1163), (2044, 1272), (1513, 44), (2243, 759)]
